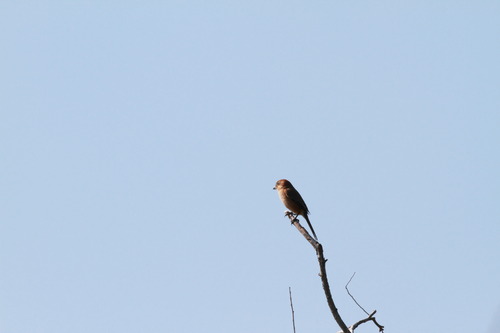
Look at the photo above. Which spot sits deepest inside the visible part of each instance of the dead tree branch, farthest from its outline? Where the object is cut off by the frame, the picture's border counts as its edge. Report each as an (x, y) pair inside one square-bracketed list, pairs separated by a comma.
[(324, 280), (353, 296), (370, 316), (291, 305), (367, 319), (322, 265)]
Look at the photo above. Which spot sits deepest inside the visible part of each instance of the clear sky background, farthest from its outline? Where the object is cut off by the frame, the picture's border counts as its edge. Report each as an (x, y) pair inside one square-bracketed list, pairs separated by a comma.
[(140, 142)]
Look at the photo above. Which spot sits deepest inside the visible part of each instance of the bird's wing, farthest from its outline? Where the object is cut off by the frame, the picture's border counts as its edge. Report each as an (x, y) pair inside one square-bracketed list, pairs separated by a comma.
[(295, 196)]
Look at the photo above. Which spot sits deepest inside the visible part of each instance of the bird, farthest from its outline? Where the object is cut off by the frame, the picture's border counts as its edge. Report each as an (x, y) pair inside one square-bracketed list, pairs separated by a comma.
[(292, 200)]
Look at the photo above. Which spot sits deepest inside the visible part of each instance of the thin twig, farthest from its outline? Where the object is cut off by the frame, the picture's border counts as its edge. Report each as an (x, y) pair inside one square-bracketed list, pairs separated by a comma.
[(369, 318), (380, 327), (353, 296), (291, 305)]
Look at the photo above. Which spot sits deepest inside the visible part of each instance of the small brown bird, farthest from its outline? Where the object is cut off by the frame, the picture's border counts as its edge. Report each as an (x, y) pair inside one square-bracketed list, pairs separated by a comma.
[(292, 200)]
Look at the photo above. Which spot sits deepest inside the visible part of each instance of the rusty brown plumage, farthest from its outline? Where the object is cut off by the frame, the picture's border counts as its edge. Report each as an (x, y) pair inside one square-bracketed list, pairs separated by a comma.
[(292, 200)]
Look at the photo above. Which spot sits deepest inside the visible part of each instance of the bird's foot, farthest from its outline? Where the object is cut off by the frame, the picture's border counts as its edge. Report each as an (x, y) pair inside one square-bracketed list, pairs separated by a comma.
[(293, 218)]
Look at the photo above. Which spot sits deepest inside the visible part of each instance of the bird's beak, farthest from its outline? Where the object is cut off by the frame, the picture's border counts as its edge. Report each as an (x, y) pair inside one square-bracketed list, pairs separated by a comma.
[(274, 188)]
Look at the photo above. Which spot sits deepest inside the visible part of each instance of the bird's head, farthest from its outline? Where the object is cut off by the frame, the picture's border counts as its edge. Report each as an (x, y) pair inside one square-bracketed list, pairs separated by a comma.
[(282, 183)]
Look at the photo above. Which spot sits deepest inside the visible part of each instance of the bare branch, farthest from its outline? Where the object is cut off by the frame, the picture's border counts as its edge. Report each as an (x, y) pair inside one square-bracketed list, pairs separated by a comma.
[(295, 221), (353, 296), (322, 265), (326, 287), (369, 318), (291, 305), (380, 327)]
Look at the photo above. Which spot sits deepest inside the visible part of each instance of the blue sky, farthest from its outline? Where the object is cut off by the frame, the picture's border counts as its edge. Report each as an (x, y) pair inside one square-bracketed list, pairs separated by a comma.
[(140, 143)]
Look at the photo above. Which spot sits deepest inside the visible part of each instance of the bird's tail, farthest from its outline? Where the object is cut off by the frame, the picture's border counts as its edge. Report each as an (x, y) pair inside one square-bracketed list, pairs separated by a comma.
[(310, 226)]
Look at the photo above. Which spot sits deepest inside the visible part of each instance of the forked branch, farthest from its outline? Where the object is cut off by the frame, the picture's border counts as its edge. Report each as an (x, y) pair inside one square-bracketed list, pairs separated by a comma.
[(324, 280)]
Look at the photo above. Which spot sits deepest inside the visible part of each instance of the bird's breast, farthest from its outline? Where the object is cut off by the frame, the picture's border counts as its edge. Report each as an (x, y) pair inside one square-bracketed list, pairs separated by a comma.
[(289, 203)]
